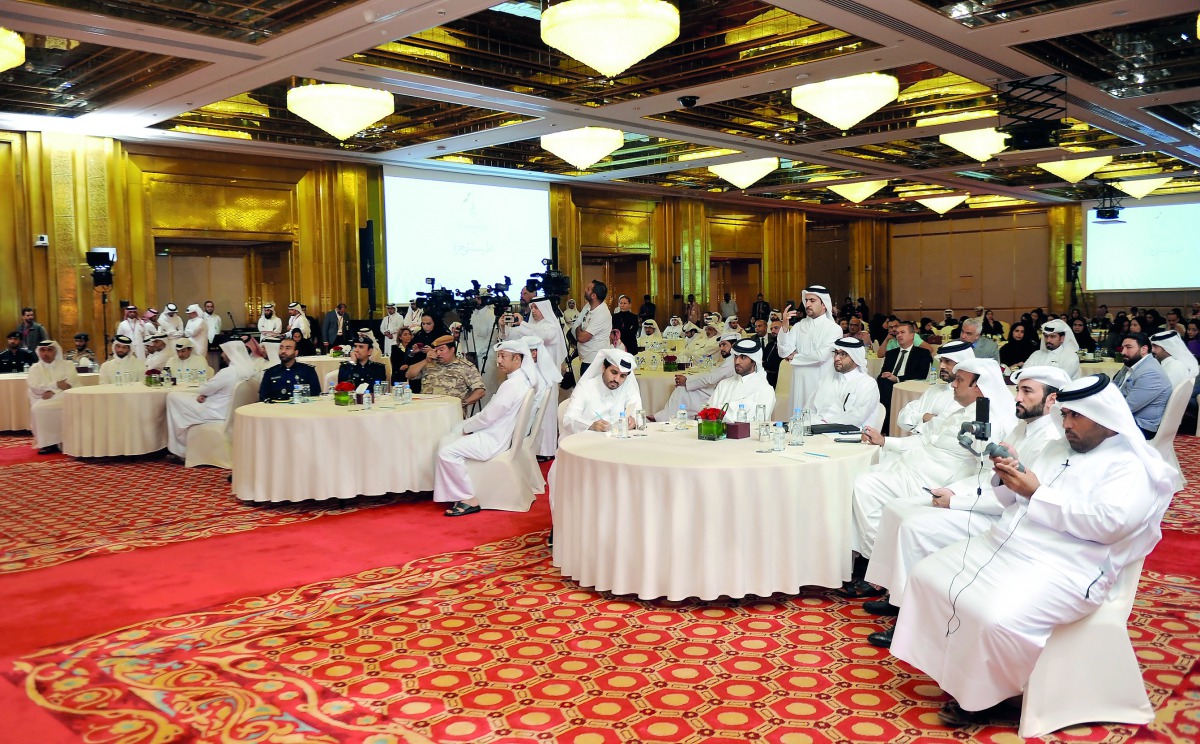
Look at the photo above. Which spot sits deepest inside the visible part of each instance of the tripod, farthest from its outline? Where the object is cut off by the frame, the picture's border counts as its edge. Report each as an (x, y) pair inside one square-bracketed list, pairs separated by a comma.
[(103, 290)]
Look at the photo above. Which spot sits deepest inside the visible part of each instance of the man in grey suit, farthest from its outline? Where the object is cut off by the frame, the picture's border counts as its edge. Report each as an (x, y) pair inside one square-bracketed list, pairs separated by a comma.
[(985, 348), (1143, 383), (335, 328)]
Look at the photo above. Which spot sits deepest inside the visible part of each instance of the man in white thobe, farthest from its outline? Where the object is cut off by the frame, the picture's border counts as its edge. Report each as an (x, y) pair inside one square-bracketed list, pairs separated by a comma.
[(602, 393), (978, 613), (160, 353), (47, 379), (910, 531), (487, 433), (170, 321), (693, 391), (808, 345), (297, 319), (412, 316), (1176, 360), (270, 325), (186, 360), (1058, 349), (748, 386), (938, 399), (197, 330), (212, 400), (932, 459), (850, 395), (390, 328), (545, 337), (674, 329), (134, 328), (123, 367), (701, 343)]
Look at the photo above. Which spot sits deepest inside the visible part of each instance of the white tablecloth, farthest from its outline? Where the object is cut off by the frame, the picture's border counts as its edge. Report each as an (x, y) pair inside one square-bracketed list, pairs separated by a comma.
[(670, 516), (317, 450), (115, 420), (14, 399), (656, 388), (904, 393), (326, 364), (1108, 367)]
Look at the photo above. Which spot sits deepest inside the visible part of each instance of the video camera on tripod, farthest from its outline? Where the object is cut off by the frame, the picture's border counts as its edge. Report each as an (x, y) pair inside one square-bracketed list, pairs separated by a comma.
[(551, 284)]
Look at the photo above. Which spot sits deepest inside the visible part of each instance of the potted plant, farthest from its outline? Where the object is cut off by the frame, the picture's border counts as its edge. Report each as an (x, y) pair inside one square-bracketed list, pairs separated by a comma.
[(343, 393), (712, 424)]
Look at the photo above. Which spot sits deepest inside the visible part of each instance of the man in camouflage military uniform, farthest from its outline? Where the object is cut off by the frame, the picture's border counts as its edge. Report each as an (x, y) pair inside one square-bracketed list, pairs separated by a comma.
[(444, 373)]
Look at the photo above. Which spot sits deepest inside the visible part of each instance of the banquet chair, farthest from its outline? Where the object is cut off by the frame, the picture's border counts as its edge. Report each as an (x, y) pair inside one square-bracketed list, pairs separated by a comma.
[(1088, 670), (212, 444), (876, 420), (1164, 439), (503, 481), (533, 441)]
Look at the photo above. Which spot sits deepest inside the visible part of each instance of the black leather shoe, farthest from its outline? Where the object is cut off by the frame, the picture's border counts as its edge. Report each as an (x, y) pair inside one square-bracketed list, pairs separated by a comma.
[(49, 450), (1003, 714), (882, 639), (859, 589), (881, 607), (550, 539)]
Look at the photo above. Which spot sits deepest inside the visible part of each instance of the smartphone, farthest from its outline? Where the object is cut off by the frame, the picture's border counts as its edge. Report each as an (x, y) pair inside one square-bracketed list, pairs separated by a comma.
[(848, 440)]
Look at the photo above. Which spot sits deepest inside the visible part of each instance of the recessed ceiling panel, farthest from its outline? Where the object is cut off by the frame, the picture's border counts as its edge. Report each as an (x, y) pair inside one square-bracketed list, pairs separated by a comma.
[(718, 40), (1122, 166), (928, 96), (789, 173), (1126, 61), (1183, 115), (976, 13), (250, 21), (63, 77), (262, 115)]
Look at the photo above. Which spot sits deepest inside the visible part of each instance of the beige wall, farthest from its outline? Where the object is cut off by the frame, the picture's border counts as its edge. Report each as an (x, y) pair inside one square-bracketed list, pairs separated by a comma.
[(1001, 262)]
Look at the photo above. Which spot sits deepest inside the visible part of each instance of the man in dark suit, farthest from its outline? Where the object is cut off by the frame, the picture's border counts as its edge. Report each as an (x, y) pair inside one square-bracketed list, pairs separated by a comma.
[(335, 328), (760, 310), (905, 362), (770, 354)]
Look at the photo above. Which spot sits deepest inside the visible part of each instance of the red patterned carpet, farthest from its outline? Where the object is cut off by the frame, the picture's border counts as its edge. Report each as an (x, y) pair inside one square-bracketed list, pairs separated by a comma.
[(493, 645), (87, 509)]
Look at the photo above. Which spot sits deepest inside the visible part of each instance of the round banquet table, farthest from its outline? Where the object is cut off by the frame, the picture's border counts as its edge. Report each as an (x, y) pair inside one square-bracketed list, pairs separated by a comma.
[(325, 364), (670, 516), (14, 399), (319, 450), (904, 393), (1107, 366), (656, 388), (116, 420)]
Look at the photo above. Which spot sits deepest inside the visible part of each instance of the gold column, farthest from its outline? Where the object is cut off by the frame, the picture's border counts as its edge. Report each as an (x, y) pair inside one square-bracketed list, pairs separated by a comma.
[(17, 253), (869, 252), (685, 228), (1066, 226), (564, 226), (783, 257)]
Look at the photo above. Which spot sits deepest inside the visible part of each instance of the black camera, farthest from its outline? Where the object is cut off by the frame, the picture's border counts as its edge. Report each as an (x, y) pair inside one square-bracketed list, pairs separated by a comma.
[(435, 302), (981, 430), (551, 284)]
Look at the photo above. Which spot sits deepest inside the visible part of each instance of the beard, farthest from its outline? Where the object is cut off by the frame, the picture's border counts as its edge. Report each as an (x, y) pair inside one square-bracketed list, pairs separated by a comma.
[(1033, 412)]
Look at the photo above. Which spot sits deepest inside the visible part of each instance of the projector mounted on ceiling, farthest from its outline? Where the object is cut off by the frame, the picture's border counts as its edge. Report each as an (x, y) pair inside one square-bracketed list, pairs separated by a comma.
[(1108, 207)]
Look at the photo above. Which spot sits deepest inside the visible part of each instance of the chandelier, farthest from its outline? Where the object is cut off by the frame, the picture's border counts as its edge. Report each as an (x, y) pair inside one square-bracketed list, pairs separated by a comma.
[(981, 144), (1139, 188), (846, 101), (610, 36), (943, 204), (1074, 171), (12, 49), (341, 110), (744, 174), (585, 146), (856, 192)]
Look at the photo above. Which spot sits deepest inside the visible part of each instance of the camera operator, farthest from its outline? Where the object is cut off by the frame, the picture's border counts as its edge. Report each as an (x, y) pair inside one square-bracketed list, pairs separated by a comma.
[(593, 325)]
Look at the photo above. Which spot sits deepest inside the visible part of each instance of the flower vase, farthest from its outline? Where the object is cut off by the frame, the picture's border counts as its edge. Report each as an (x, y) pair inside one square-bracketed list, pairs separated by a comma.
[(711, 431), (670, 366), (341, 399)]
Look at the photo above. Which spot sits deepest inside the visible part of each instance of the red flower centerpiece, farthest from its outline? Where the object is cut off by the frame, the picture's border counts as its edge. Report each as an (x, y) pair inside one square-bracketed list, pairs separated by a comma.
[(712, 424), (342, 393), (153, 378), (337, 351), (670, 363)]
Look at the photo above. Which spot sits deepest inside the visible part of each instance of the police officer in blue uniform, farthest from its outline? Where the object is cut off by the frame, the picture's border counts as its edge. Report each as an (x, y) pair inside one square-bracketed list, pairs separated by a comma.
[(279, 381), (360, 368)]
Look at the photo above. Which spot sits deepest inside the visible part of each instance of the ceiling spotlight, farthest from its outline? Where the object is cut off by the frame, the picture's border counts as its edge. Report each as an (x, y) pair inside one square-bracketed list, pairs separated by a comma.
[(610, 36), (341, 110), (1074, 171), (747, 172), (585, 146), (856, 192), (12, 49), (981, 144), (844, 102), (1138, 189), (943, 204)]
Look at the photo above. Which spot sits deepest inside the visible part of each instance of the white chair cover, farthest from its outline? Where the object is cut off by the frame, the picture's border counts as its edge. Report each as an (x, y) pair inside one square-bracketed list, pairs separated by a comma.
[(503, 481), (212, 444), (533, 439), (876, 420), (1088, 671), (1164, 439)]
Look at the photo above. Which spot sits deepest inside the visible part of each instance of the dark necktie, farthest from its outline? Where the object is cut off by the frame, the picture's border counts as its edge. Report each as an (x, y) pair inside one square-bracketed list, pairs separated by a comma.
[(900, 363)]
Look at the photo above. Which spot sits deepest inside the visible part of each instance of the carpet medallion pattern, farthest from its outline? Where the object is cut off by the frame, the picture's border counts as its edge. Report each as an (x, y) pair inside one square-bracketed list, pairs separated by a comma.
[(90, 509), (493, 645)]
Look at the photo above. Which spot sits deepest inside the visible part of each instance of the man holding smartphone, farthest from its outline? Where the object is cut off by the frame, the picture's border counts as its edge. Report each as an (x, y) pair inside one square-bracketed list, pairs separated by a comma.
[(808, 345)]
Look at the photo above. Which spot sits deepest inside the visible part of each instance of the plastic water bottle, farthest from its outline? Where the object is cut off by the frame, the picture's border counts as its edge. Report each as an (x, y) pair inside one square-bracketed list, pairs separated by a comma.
[(377, 391), (296, 393), (408, 394), (368, 396), (25, 368), (681, 417), (796, 429), (743, 416), (778, 437), (398, 393), (806, 422), (932, 377), (622, 426)]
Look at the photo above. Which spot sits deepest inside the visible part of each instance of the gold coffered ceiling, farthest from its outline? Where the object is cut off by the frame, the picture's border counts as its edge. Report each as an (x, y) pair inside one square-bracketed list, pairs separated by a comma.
[(475, 88)]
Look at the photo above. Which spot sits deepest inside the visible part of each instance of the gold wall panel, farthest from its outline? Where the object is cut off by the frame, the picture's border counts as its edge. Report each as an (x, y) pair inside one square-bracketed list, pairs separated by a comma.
[(615, 229), (1066, 226), (736, 236), (784, 256), (199, 206)]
